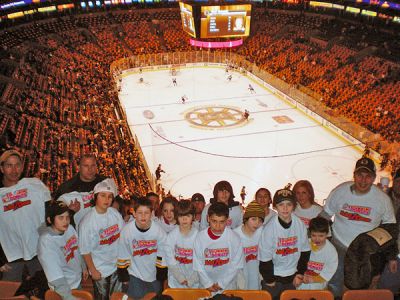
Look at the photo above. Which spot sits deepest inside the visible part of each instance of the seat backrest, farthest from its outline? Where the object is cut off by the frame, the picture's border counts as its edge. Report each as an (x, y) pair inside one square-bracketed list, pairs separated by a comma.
[(8, 288), (249, 295), (307, 295), (187, 294), (368, 295), (52, 295), (119, 296)]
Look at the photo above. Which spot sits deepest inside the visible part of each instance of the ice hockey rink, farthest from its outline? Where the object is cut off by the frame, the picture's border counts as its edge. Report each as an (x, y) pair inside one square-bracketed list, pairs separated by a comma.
[(207, 139)]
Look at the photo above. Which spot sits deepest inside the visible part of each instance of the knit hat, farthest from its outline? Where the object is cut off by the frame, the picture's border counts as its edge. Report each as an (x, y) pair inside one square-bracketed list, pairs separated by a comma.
[(7, 154), (107, 185), (366, 164), (254, 209), (198, 197), (56, 208), (283, 195)]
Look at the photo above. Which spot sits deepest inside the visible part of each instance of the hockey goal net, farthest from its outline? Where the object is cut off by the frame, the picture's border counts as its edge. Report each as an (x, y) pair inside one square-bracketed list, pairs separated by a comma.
[(174, 70)]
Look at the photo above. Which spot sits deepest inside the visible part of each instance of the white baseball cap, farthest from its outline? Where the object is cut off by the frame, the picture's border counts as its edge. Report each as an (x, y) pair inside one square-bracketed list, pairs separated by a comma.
[(107, 185)]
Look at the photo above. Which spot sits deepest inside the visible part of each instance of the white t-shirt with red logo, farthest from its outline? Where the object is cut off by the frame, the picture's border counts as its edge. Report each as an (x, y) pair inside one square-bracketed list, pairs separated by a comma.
[(59, 256), (83, 198), (356, 214), (235, 217), (283, 246), (98, 236), (323, 262), (251, 263), (22, 211), (307, 214), (179, 252), (139, 250), (218, 261)]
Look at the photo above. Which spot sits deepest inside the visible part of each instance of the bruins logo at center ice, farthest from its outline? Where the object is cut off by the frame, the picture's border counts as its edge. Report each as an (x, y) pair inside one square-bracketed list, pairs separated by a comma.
[(214, 117)]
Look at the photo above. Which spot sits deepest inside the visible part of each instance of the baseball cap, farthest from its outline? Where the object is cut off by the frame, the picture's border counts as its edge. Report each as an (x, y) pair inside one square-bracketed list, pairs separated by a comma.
[(56, 208), (283, 195), (107, 185), (198, 197), (254, 210), (366, 164), (396, 175), (7, 154)]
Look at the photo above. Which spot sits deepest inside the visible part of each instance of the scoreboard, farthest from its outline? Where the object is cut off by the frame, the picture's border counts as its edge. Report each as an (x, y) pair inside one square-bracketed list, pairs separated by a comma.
[(187, 19), (225, 20)]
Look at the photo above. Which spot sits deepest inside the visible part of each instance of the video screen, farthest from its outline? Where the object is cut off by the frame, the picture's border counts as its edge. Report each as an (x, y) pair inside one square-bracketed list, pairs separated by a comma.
[(187, 19), (225, 20)]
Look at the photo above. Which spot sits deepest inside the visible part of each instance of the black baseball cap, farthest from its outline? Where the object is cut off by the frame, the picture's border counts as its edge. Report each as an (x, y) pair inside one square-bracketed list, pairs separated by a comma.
[(367, 164), (198, 197), (283, 195)]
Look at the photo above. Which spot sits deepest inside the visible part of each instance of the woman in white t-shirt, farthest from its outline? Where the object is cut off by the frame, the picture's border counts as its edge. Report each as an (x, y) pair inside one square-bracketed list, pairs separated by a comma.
[(306, 209)]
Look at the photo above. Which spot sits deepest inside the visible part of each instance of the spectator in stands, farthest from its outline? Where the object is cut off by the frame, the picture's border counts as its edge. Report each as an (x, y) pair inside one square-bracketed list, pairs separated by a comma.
[(139, 244), (198, 202), (99, 232), (358, 206), (390, 278), (284, 250), (218, 252), (263, 197), (77, 192), (306, 209), (22, 211), (223, 192), (58, 251)]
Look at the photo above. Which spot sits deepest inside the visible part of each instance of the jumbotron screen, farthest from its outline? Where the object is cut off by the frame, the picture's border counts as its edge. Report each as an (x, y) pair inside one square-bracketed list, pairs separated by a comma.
[(225, 20), (187, 19)]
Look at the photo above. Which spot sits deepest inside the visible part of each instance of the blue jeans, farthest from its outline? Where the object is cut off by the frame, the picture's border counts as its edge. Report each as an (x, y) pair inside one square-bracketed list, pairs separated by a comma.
[(138, 288), (336, 284), (17, 267)]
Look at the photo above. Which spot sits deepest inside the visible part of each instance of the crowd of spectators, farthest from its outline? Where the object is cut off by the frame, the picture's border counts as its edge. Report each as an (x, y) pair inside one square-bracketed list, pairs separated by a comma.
[(61, 102)]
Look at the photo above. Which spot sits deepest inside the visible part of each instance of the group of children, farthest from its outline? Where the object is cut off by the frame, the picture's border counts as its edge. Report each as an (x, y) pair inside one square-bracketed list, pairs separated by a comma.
[(227, 249)]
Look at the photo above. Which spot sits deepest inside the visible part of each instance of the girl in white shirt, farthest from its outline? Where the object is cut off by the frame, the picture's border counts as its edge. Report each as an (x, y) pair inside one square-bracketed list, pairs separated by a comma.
[(306, 209), (263, 197), (179, 249), (223, 192)]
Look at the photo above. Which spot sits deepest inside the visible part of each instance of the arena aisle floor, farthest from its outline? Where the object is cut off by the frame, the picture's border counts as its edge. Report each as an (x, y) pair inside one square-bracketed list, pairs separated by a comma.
[(207, 139)]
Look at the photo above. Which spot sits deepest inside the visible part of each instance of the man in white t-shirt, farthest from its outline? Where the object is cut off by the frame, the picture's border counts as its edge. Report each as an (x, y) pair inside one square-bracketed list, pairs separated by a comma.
[(358, 206), (22, 211)]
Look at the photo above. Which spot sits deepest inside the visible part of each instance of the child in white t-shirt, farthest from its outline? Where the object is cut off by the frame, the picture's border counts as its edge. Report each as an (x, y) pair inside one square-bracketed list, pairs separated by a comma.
[(284, 250), (250, 233), (223, 193), (140, 243), (218, 252), (263, 197), (179, 249), (99, 232), (58, 251), (323, 259)]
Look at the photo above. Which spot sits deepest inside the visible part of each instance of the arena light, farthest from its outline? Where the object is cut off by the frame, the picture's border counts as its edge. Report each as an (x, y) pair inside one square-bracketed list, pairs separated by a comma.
[(227, 44)]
